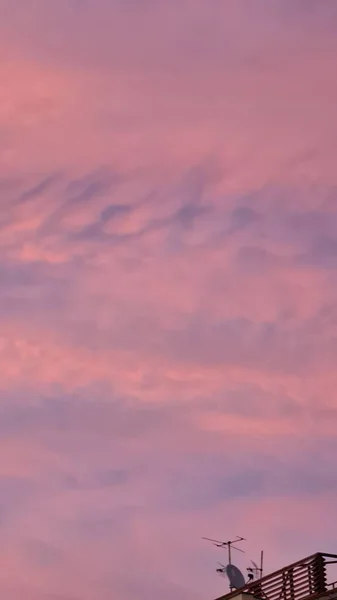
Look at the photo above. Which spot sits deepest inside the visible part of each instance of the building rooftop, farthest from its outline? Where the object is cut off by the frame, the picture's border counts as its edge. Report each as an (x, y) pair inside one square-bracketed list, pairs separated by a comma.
[(308, 579)]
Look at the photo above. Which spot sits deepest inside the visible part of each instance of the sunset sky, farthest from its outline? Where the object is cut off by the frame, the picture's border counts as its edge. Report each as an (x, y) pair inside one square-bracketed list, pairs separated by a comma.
[(168, 300)]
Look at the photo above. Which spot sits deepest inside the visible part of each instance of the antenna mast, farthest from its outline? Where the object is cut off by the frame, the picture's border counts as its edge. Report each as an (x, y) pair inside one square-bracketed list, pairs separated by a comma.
[(229, 546), (255, 569)]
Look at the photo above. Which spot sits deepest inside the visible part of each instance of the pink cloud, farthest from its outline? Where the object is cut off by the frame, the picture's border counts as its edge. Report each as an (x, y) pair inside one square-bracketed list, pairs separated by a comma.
[(167, 307)]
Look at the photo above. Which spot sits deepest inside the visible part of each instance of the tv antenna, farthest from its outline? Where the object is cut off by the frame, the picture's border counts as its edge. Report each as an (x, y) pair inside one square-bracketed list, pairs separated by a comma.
[(228, 545), (255, 572), (236, 579)]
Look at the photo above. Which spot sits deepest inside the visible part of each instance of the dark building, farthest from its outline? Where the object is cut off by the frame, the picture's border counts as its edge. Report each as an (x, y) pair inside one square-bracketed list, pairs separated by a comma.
[(307, 579)]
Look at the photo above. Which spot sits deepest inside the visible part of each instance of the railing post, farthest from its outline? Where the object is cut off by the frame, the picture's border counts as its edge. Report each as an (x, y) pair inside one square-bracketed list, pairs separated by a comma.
[(319, 575)]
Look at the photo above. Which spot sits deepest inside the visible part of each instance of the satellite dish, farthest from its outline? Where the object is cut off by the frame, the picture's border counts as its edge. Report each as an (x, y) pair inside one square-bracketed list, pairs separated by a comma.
[(236, 579)]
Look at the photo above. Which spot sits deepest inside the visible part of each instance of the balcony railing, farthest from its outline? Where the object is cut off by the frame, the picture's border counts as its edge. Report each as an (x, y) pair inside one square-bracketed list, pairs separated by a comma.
[(303, 580)]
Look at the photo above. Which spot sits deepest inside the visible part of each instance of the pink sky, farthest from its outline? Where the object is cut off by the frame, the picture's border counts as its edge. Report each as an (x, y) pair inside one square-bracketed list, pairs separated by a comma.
[(168, 313)]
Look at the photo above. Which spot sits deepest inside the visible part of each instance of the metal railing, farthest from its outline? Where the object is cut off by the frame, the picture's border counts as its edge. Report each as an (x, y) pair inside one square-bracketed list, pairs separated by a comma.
[(305, 579)]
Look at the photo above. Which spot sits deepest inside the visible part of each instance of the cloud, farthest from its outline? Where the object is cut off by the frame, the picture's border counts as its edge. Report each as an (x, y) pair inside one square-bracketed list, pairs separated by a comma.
[(42, 554), (244, 216), (167, 302), (323, 252), (37, 190)]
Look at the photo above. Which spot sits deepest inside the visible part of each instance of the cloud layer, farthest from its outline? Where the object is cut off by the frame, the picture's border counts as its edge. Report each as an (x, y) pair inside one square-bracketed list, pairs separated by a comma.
[(168, 254)]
